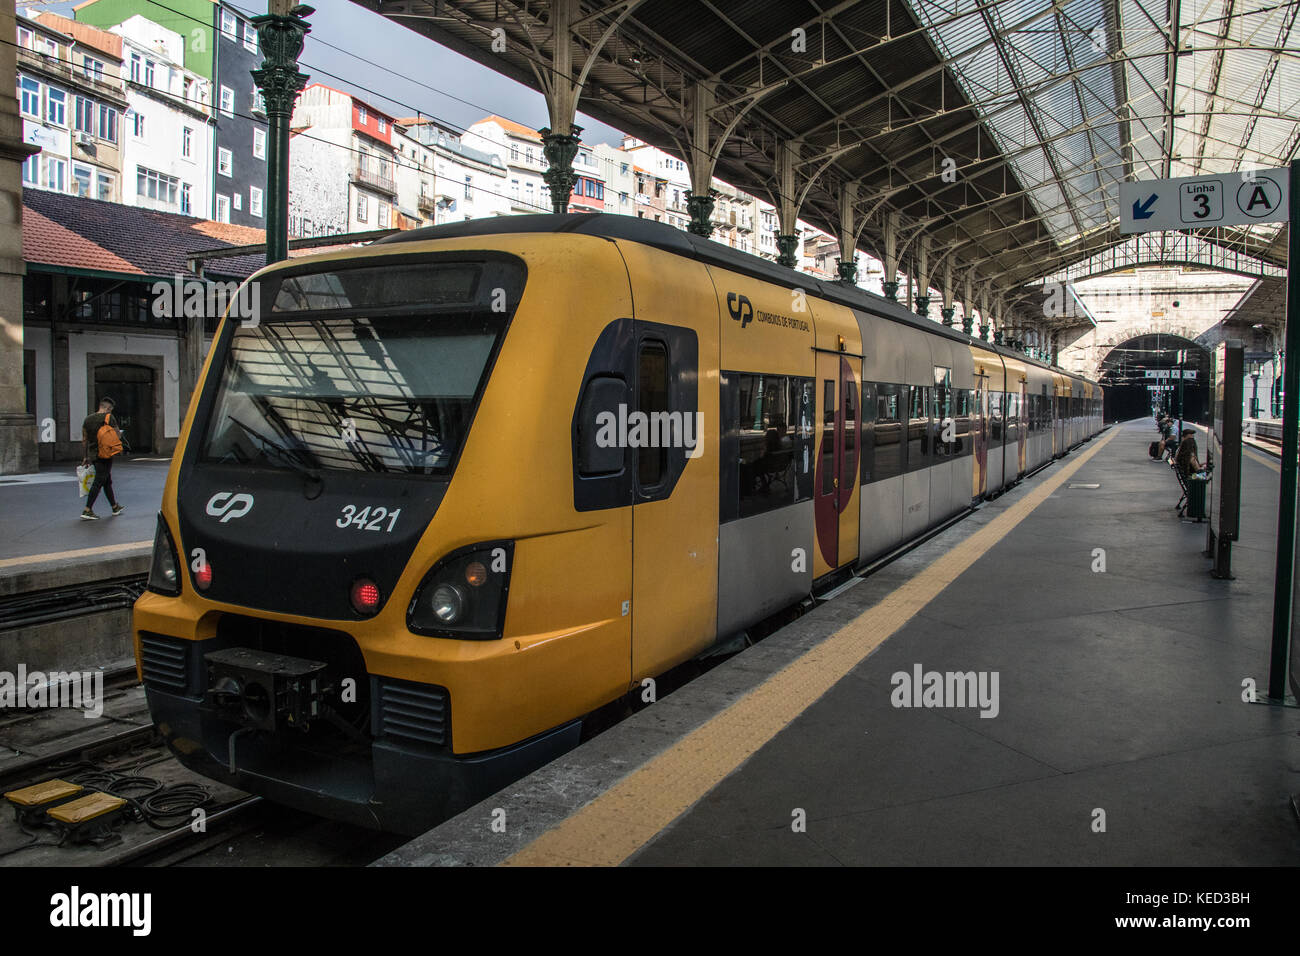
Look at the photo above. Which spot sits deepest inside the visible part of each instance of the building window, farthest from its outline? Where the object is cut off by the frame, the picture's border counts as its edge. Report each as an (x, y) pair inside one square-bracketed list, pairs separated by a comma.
[(259, 101), (107, 123), (469, 188), (363, 207), (237, 200), (104, 186), (25, 38), (228, 25), (50, 48), (225, 162), (185, 199), (250, 38), (514, 152), (157, 186), (83, 114), (137, 124), (228, 101), (529, 153), (223, 208), (255, 201), (32, 170), (362, 116), (81, 180), (187, 142), (56, 102), (56, 173), (148, 73), (92, 69), (623, 169), (383, 215), (136, 63), (382, 123), (31, 94), (259, 144)]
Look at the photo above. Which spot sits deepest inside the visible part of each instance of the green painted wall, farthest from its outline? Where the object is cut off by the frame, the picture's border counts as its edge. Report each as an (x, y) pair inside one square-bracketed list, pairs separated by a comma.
[(192, 19)]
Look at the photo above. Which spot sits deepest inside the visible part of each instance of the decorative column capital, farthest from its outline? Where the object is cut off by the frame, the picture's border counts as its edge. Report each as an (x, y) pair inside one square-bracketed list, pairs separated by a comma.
[(968, 323), (848, 269), (559, 150), (947, 314), (891, 291), (786, 244), (984, 332), (701, 210), (281, 40), (997, 337), (923, 305)]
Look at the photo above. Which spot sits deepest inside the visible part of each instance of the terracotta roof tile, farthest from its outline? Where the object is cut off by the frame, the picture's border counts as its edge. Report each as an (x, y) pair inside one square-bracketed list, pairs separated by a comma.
[(84, 33), (49, 243), (510, 126)]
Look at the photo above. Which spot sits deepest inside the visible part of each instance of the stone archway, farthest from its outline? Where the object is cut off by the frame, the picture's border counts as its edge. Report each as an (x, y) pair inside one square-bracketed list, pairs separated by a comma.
[(1143, 371)]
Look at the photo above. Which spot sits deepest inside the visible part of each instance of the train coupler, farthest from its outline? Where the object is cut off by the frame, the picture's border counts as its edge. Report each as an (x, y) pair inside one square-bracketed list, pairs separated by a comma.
[(264, 691)]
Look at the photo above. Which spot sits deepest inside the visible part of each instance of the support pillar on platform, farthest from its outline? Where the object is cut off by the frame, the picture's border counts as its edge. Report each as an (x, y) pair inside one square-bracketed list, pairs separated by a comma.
[(890, 259), (559, 150), (281, 33), (17, 427)]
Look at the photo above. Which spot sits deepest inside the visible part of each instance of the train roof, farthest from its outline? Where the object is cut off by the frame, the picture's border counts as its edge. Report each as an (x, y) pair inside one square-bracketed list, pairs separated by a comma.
[(670, 239)]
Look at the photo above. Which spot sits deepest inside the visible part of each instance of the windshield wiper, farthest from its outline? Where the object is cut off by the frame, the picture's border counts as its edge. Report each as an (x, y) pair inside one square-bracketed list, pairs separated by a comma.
[(279, 451)]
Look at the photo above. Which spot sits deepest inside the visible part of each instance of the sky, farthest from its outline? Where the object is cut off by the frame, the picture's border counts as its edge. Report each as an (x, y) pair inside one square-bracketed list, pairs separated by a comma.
[(420, 76)]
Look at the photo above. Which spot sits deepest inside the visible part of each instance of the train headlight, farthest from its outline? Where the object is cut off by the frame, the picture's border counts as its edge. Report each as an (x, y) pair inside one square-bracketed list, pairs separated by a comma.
[(464, 596), (164, 573), (448, 603)]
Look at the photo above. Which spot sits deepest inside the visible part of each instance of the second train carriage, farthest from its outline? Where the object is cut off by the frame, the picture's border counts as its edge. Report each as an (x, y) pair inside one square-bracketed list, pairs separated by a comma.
[(401, 482)]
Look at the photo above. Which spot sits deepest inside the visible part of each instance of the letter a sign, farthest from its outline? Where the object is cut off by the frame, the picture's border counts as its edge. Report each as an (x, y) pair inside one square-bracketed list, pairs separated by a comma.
[(1226, 199)]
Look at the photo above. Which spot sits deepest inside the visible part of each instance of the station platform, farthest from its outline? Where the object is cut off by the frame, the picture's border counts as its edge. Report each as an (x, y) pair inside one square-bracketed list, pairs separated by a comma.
[(1117, 733), (41, 516)]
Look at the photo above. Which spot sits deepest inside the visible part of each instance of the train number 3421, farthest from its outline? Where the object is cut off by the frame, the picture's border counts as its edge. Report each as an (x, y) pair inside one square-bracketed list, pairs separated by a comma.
[(368, 519)]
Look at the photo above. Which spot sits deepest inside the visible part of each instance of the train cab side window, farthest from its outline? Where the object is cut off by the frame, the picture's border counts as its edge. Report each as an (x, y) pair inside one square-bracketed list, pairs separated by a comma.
[(603, 394), (652, 396)]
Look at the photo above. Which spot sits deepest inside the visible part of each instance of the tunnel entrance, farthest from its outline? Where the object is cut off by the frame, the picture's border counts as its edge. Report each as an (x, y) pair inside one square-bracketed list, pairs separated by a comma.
[(1143, 374)]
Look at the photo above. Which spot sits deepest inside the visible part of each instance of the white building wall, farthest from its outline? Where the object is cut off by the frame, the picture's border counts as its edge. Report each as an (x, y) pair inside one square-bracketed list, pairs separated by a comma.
[(319, 167)]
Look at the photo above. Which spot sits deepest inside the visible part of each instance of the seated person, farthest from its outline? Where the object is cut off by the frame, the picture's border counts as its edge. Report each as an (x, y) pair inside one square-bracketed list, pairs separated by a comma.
[(1185, 459), (1169, 439)]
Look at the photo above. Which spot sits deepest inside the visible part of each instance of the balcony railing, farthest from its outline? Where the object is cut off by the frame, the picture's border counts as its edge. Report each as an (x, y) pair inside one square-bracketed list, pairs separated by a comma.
[(380, 179), (427, 205)]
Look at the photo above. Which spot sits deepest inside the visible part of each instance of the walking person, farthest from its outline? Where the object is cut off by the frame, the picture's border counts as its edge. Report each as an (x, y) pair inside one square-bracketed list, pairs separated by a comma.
[(99, 432)]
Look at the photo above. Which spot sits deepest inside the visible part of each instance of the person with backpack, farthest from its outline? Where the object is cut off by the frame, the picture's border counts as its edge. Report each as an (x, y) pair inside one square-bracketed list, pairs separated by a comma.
[(100, 432)]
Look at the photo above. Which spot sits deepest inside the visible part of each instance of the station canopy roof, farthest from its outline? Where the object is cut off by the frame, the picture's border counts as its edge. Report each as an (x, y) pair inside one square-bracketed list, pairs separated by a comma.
[(1041, 107)]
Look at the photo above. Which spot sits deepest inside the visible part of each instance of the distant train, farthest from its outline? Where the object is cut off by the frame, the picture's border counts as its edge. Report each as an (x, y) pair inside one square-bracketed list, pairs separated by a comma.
[(460, 488)]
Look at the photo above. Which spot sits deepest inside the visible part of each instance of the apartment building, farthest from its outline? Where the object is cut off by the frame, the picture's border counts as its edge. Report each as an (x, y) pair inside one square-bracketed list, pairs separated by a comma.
[(342, 165), (220, 48), (520, 148), (452, 181), (71, 97), (168, 129), (620, 184)]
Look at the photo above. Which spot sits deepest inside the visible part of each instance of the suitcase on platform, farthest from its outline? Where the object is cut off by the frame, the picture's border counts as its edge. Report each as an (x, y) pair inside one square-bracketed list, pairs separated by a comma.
[(1154, 450)]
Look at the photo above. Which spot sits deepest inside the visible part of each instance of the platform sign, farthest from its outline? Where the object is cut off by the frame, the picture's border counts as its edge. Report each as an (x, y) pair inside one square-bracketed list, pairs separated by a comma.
[(1225, 199)]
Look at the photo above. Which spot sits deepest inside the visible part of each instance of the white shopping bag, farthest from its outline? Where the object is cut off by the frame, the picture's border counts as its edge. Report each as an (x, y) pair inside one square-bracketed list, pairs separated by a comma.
[(85, 478)]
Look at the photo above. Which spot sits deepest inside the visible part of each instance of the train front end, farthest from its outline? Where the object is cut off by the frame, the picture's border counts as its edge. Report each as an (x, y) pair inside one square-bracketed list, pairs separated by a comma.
[(324, 617)]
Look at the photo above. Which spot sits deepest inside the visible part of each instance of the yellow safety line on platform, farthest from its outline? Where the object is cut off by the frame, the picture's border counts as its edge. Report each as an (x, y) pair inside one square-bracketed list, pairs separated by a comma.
[(79, 553), (609, 829)]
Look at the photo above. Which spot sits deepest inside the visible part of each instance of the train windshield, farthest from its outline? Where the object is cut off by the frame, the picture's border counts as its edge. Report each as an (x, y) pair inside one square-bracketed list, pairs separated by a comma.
[(370, 369)]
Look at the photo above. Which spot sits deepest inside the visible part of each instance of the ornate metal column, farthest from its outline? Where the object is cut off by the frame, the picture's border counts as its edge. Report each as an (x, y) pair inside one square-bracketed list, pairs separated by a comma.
[(947, 314), (281, 35), (559, 150), (891, 291), (923, 305), (848, 269)]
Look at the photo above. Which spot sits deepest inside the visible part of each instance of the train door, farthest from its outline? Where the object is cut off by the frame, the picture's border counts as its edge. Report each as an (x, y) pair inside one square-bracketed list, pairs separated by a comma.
[(980, 428), (1023, 429), (835, 484), (675, 502)]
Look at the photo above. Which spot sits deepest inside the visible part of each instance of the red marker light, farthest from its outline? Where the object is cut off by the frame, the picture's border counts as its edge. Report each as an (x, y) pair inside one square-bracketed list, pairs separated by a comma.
[(365, 596), (203, 576)]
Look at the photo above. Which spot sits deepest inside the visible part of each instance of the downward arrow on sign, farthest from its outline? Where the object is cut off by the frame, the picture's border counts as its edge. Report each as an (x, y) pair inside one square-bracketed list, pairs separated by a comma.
[(1143, 210)]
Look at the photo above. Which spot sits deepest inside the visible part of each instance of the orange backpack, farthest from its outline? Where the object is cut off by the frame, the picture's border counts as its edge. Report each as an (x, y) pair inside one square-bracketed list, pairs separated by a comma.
[(110, 442)]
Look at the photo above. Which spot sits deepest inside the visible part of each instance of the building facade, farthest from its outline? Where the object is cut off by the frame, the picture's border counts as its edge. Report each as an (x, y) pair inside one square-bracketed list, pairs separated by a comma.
[(457, 181), (520, 148), (72, 100), (168, 128)]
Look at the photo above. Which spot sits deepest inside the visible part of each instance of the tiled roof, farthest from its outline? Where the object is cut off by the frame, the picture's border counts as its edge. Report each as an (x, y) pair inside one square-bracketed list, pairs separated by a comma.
[(510, 126), (84, 33), (76, 233)]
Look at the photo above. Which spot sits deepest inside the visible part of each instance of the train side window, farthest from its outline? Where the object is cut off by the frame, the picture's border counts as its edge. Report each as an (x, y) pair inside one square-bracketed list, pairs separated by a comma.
[(803, 397), (767, 450), (848, 463), (868, 432), (828, 435), (652, 396), (888, 447), (603, 394), (918, 428)]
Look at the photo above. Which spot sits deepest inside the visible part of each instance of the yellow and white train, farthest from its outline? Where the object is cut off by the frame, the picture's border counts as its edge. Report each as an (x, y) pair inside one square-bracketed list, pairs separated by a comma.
[(460, 488)]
